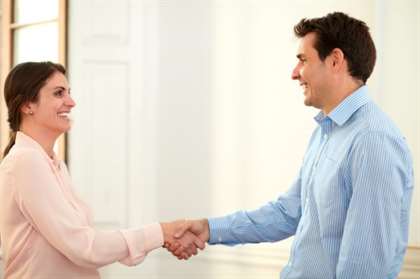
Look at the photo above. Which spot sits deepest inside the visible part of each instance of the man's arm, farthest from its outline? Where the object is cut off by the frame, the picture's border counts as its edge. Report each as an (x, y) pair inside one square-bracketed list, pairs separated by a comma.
[(375, 231), (272, 222)]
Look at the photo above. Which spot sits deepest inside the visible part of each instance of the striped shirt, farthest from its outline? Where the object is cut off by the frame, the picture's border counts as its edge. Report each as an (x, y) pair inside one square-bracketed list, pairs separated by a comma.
[(349, 205)]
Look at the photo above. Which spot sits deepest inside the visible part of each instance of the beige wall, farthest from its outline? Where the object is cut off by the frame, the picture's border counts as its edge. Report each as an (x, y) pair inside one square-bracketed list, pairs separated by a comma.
[(209, 92), (207, 102), (208, 82), (1, 86)]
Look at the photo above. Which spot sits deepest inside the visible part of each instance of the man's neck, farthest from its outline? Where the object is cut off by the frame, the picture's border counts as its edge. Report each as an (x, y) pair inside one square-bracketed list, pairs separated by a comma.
[(341, 92)]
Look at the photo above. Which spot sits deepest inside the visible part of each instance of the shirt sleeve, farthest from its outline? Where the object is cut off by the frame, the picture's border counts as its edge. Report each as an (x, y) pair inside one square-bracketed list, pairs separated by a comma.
[(376, 227), (42, 202), (274, 221)]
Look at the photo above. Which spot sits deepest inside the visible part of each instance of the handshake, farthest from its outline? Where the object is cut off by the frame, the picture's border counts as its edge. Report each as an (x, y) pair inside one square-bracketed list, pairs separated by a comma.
[(183, 237)]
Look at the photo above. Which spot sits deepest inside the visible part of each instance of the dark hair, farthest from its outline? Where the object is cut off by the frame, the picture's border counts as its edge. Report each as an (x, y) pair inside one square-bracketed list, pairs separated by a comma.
[(22, 85), (338, 30)]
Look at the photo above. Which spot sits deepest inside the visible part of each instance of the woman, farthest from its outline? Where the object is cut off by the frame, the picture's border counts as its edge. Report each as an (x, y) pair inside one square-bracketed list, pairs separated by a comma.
[(45, 228)]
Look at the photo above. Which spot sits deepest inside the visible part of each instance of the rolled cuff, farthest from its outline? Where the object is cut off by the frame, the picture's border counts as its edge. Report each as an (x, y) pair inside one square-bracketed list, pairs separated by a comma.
[(140, 242), (220, 232)]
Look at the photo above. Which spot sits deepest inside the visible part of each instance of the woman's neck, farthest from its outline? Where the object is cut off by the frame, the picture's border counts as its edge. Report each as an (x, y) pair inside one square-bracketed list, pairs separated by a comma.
[(45, 138)]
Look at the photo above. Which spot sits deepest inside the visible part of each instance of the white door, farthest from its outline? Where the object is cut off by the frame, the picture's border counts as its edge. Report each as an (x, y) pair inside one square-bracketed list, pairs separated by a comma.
[(111, 145)]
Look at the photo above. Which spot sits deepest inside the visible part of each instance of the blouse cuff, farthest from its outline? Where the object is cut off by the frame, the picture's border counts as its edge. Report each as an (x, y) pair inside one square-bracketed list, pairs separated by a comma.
[(141, 241), (153, 237)]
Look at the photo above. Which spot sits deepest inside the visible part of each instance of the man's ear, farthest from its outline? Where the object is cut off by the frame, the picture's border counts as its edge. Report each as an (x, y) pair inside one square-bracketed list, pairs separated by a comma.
[(337, 59)]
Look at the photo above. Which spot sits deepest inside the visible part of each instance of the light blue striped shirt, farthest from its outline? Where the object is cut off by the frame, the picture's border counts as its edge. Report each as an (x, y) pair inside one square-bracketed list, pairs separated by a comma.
[(348, 207)]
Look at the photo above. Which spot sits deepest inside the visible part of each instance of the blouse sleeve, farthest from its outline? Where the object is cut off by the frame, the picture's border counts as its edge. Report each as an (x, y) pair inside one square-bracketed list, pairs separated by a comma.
[(43, 203), (1, 253)]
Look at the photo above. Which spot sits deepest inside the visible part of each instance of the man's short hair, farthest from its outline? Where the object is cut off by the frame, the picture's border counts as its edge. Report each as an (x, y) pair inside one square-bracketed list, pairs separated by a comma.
[(338, 30)]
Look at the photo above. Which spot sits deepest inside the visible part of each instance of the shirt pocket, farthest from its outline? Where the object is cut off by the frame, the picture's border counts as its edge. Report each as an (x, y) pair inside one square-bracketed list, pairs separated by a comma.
[(328, 183)]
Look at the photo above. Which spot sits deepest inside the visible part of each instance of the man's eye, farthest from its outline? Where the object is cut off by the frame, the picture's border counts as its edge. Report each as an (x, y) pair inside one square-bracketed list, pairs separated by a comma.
[(58, 93)]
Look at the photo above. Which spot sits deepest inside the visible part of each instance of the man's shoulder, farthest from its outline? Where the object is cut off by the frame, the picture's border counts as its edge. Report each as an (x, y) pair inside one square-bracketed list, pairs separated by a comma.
[(372, 119)]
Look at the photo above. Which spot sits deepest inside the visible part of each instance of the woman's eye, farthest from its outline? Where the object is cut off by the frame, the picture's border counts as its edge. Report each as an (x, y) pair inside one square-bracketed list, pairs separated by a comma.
[(58, 93)]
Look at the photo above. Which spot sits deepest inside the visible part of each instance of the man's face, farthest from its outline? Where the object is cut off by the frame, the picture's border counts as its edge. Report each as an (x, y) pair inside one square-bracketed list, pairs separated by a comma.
[(312, 73)]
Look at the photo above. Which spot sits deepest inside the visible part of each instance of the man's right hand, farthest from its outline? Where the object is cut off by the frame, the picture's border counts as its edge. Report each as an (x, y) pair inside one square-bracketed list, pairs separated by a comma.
[(199, 227)]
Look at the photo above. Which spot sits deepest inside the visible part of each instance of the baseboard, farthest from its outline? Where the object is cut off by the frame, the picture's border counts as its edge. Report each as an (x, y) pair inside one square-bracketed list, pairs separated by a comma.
[(411, 267), (276, 257)]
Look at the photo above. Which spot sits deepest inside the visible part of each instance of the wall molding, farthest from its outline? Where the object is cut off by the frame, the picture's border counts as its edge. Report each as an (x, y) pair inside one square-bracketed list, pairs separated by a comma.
[(411, 267), (275, 258), (262, 257)]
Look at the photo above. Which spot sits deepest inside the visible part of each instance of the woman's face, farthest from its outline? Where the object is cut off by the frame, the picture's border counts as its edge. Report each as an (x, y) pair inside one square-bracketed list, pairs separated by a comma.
[(51, 111)]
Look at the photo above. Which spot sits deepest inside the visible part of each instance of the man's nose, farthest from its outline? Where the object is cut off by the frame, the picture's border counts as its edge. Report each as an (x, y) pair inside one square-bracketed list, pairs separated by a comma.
[(295, 73)]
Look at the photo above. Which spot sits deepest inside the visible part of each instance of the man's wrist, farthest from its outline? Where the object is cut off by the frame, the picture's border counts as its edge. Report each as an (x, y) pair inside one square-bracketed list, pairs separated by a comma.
[(206, 226)]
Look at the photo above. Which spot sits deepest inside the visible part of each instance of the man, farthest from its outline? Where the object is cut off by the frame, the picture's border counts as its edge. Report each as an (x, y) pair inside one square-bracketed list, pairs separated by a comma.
[(349, 205)]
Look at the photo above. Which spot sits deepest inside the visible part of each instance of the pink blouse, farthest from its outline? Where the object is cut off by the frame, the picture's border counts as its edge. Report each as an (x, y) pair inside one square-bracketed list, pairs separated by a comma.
[(46, 230)]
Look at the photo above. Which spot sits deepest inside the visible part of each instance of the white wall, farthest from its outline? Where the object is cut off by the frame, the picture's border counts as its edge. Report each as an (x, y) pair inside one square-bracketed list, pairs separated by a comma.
[(213, 122), (397, 79)]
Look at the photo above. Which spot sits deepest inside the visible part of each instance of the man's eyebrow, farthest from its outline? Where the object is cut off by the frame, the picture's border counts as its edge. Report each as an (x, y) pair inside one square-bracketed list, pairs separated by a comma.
[(59, 87)]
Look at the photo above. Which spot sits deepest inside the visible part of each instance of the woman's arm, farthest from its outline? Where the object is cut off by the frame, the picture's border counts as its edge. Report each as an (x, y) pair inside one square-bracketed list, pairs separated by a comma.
[(43, 202)]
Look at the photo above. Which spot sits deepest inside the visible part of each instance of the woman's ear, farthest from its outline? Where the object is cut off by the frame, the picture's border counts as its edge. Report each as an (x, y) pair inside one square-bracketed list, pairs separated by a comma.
[(27, 108)]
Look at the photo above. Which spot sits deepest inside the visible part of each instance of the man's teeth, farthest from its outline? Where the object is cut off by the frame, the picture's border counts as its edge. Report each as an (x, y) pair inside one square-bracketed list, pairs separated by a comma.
[(64, 114)]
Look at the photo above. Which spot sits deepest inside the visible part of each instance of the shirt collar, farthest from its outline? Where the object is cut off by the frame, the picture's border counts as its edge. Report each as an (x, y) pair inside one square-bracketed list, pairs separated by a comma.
[(23, 140), (347, 107)]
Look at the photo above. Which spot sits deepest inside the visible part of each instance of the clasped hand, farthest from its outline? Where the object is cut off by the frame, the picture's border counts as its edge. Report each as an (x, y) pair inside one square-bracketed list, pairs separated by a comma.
[(182, 238)]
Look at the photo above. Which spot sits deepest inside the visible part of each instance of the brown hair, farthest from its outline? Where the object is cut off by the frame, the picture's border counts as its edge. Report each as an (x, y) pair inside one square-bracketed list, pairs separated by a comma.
[(338, 30), (22, 85)]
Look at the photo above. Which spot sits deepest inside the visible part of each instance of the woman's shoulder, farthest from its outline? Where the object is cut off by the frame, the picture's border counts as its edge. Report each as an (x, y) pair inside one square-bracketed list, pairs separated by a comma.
[(22, 157)]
